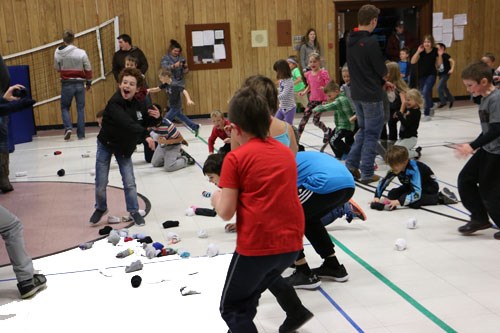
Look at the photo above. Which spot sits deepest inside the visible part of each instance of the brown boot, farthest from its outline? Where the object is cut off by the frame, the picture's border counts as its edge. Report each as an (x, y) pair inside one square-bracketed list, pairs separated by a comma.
[(5, 185)]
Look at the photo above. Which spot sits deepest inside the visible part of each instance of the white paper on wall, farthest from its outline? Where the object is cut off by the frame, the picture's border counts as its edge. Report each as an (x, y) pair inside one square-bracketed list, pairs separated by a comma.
[(447, 26), (437, 20), (458, 32), (437, 33), (197, 37), (460, 19)]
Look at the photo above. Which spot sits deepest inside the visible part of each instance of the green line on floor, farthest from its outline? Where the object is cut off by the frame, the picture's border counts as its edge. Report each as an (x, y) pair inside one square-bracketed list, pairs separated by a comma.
[(395, 288)]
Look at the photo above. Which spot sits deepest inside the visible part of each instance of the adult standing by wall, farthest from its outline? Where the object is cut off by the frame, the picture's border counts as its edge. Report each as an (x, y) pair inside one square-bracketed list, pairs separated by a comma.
[(309, 45), (367, 70), (428, 59), (5, 185), (176, 63), (75, 71), (126, 48), (398, 40)]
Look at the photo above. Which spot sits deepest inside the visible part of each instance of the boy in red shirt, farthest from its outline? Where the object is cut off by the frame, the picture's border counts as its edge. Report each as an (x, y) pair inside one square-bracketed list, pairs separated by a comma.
[(258, 182), (220, 130)]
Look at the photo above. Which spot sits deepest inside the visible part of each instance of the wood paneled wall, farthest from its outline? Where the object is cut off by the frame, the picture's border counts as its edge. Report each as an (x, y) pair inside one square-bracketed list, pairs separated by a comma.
[(25, 24)]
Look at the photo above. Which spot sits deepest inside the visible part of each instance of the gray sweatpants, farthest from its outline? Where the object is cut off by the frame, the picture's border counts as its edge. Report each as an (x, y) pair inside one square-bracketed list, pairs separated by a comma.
[(409, 143), (169, 157), (11, 230)]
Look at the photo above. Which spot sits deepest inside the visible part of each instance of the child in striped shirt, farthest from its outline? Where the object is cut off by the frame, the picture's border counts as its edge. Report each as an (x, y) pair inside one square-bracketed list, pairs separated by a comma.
[(343, 135), (286, 97), (169, 153)]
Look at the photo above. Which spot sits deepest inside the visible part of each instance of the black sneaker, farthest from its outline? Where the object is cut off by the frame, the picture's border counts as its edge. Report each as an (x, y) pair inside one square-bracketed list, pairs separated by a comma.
[(67, 135), (97, 216), (30, 288), (450, 194), (299, 280), (138, 219), (473, 226), (189, 159), (292, 324), (445, 199), (338, 274)]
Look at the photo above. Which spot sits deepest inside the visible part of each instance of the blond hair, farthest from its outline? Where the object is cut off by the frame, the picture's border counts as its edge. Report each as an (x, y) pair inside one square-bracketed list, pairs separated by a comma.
[(394, 76), (217, 113), (415, 95)]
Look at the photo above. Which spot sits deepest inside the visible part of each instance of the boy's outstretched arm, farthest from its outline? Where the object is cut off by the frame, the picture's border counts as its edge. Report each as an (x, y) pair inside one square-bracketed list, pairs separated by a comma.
[(188, 98)]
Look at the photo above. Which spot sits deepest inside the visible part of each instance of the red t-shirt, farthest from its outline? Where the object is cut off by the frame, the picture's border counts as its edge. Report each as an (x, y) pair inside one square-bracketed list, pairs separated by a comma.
[(269, 216), (217, 133)]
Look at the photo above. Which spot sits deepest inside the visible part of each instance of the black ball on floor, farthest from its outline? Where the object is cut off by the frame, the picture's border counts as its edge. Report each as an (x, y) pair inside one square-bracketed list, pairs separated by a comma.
[(136, 281), (61, 172)]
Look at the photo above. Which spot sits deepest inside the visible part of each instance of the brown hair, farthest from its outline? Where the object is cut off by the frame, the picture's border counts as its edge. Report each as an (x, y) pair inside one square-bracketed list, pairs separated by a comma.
[(477, 71), (331, 87), (282, 69), (249, 110), (266, 88), (396, 155), (68, 36), (132, 72), (367, 13)]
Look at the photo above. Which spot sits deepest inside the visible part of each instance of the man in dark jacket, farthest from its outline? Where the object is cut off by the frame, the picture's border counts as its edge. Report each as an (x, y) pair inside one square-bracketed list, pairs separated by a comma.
[(367, 70), (398, 40), (126, 48), (124, 124)]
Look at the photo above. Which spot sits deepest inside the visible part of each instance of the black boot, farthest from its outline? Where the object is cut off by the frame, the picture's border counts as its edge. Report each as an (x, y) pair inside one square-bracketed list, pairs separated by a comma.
[(296, 313), (5, 185)]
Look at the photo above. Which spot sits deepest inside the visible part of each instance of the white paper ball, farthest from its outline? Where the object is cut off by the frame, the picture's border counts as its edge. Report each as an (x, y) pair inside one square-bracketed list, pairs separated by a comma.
[(189, 211), (212, 250), (411, 223), (400, 244), (202, 233)]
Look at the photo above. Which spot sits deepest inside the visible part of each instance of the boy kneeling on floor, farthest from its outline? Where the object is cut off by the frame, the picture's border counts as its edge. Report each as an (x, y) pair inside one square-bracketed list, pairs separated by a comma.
[(419, 186)]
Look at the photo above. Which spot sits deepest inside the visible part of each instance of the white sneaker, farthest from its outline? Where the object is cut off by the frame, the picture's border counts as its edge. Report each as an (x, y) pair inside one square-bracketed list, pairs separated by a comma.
[(427, 118)]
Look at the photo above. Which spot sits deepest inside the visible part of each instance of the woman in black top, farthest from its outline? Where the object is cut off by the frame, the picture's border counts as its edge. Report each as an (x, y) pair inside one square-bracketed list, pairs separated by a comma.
[(428, 61)]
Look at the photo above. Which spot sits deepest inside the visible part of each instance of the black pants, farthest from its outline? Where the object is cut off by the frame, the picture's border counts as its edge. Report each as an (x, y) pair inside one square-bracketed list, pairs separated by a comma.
[(392, 124), (479, 186), (315, 207), (341, 142), (427, 199), (247, 278), (148, 153)]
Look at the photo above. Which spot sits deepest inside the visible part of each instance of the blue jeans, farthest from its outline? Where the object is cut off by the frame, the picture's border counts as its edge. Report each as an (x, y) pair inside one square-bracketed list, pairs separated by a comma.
[(363, 151), (443, 91), (68, 91), (102, 163), (426, 84), (177, 112)]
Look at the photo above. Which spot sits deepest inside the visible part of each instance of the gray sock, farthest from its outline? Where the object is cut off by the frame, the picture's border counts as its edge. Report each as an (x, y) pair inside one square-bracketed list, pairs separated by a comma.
[(125, 253), (114, 237), (135, 266), (86, 246), (150, 250)]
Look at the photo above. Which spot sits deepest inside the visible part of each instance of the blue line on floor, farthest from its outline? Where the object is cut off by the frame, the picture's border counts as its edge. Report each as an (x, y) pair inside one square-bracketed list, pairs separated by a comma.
[(340, 310)]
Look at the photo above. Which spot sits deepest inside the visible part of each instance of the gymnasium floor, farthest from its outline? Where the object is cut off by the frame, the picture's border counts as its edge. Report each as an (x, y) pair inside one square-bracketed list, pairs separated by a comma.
[(442, 282)]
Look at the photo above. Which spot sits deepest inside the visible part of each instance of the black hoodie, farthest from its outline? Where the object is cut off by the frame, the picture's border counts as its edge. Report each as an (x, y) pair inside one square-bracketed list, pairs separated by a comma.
[(366, 67)]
